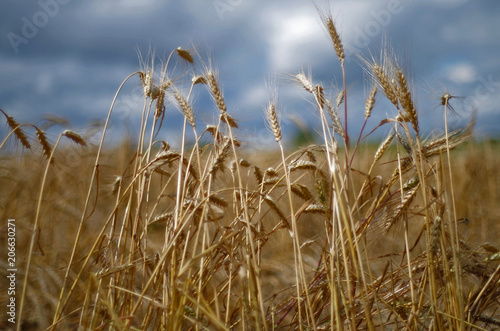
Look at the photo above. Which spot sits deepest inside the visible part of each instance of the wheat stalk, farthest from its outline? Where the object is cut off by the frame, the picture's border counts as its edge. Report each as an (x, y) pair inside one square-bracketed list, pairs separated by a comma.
[(223, 244)]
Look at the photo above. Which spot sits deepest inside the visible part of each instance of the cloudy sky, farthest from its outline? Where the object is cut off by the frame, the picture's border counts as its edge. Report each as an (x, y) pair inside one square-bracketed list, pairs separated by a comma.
[(68, 57)]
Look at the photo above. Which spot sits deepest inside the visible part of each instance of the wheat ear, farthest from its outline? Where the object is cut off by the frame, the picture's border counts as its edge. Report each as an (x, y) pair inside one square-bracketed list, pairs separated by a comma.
[(385, 84), (273, 120), (216, 91), (185, 55), (406, 100), (186, 108), (75, 137), (16, 128), (334, 35), (370, 102), (42, 138)]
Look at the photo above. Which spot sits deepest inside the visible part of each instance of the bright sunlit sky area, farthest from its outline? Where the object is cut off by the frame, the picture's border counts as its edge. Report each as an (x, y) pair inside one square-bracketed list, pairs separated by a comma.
[(67, 58)]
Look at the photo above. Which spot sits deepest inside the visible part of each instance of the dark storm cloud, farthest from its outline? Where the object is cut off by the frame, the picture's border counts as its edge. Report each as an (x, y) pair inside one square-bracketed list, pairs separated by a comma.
[(74, 62)]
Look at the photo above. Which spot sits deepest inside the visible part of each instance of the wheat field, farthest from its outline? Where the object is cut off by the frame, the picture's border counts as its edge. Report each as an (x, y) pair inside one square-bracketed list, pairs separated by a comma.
[(337, 235)]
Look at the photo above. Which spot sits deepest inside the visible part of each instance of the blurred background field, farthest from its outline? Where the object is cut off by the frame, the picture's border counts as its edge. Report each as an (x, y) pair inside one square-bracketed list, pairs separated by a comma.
[(477, 191)]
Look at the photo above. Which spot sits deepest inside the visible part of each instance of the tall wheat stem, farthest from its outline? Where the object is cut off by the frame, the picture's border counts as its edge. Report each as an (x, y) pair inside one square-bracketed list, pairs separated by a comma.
[(456, 247), (34, 235), (58, 310)]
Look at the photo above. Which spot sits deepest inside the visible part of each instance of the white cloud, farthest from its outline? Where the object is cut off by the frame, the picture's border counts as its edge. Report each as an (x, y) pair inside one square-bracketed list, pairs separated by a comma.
[(255, 97), (461, 73), (296, 36), (292, 37)]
